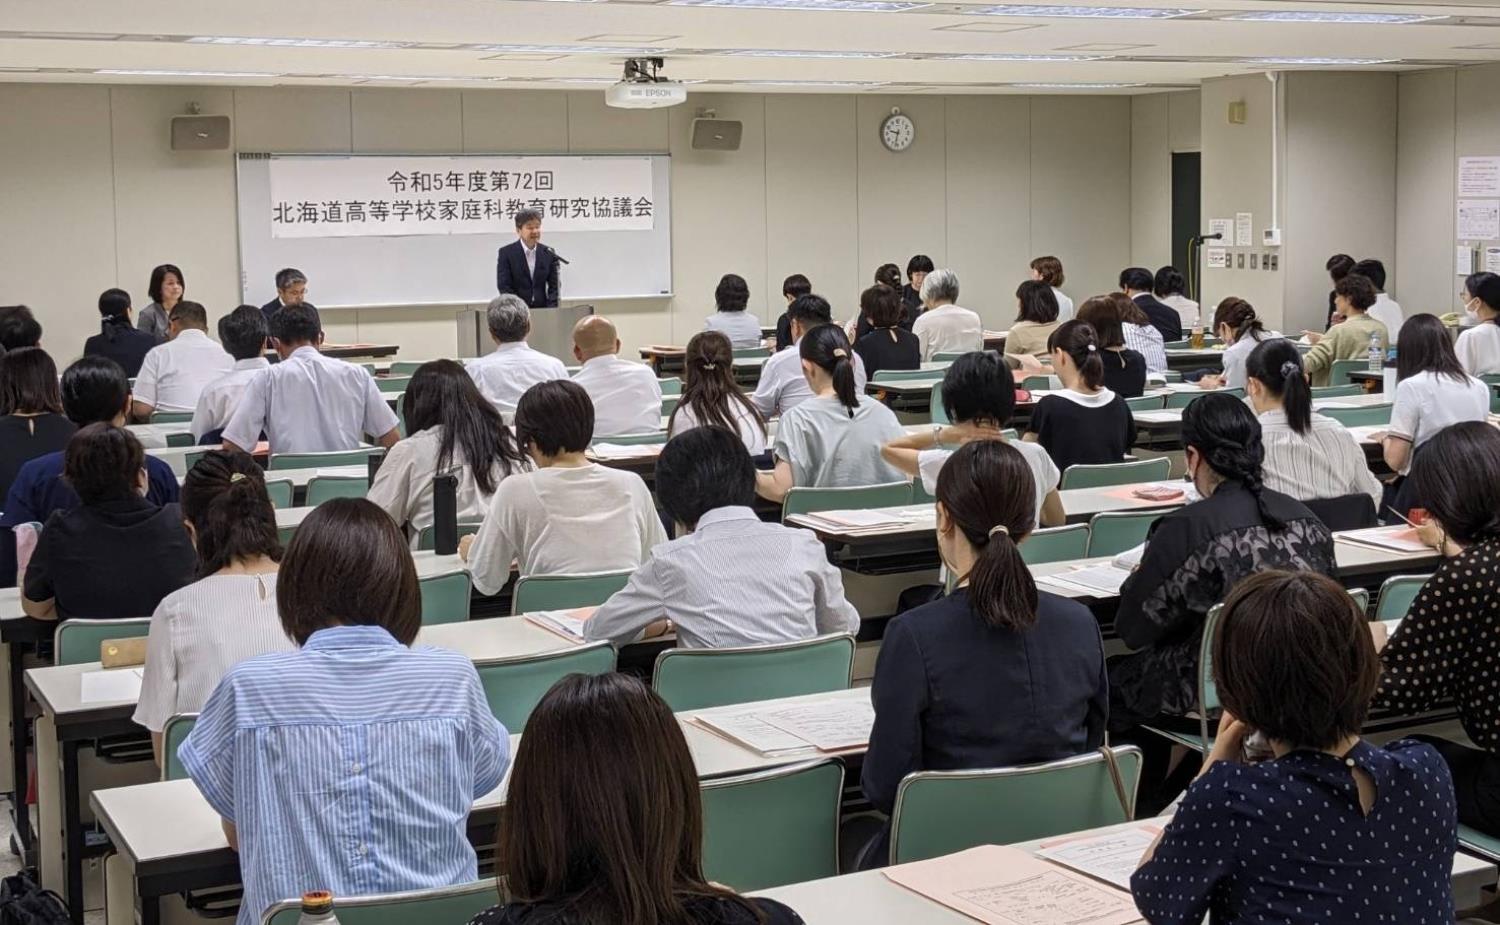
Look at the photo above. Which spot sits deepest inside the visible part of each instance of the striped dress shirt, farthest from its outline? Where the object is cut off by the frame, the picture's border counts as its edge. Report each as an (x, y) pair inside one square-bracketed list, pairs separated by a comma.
[(1325, 462), (1146, 340), (350, 765)]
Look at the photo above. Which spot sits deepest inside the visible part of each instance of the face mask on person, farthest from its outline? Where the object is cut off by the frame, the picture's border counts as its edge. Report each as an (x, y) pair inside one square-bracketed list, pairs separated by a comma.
[(1470, 312)]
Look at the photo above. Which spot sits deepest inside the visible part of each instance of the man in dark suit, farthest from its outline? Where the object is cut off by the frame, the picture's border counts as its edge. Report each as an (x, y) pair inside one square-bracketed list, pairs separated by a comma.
[(526, 267), (1137, 283), (291, 289)]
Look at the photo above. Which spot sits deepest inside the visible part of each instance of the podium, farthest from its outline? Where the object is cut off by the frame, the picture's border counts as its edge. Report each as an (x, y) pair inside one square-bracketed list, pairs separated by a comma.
[(551, 330)]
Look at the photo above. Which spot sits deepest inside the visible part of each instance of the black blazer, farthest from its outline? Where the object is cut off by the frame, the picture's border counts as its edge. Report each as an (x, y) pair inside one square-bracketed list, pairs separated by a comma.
[(1163, 318), (128, 347), (512, 276), (271, 308)]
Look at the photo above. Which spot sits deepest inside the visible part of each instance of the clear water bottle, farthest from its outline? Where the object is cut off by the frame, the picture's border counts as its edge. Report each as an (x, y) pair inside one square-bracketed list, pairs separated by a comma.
[(1377, 355), (317, 909)]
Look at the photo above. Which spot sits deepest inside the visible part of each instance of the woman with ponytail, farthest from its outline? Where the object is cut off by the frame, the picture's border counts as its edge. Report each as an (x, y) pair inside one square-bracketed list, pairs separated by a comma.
[(711, 397), (1084, 423), (1236, 325), (229, 614), (118, 339), (833, 439), (995, 674)]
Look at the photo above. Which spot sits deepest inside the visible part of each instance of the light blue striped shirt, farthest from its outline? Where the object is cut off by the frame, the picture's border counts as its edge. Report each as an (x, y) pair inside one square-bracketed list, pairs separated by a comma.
[(349, 765)]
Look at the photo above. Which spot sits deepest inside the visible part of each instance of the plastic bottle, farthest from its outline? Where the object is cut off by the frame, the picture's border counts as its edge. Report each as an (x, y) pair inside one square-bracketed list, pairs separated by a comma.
[(317, 909), (1377, 356), (1196, 337)]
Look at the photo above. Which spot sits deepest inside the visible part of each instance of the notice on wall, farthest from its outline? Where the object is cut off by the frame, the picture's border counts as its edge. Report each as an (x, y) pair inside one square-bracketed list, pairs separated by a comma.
[(1492, 259), (1244, 229), (1218, 258), (1224, 228), (1478, 219), (1479, 176), (1463, 260)]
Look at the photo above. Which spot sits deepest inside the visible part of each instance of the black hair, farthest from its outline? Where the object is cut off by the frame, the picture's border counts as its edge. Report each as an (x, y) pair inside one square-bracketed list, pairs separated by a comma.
[(1239, 315), (1372, 270), (989, 494), (1168, 281), (795, 286), (888, 274), (28, 382), (187, 314), (1038, 304), (881, 304), (224, 498), (810, 310), (556, 416), (296, 324), (159, 278), (1276, 364), (1457, 476), (102, 462), (1485, 287), (703, 469), (919, 263), (1227, 435), (18, 327), (442, 394), (978, 387), (826, 347), (1357, 289), (709, 389), (94, 389), (243, 332), (114, 304), (1079, 340), (1137, 278), (732, 293), (289, 277), (1338, 266), (526, 217), (1423, 347)]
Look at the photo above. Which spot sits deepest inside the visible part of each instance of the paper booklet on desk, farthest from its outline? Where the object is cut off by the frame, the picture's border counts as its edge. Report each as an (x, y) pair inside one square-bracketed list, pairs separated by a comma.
[(1130, 558), (1394, 539), (1007, 886), (1095, 579), (859, 520), (753, 732), (828, 726), (625, 450), (565, 623), (1111, 857), (110, 686)]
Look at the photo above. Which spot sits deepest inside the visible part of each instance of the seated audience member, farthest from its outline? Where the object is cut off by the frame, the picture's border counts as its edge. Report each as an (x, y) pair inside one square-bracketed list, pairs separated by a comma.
[(94, 389), (31, 420), (18, 328), (710, 396), (1236, 325), (1305, 833), (944, 326), (356, 708), (569, 516), (291, 289), (309, 403), (1169, 286), (1197, 554), (793, 288), (782, 385), (1124, 369), (89, 559), (506, 372), (243, 333), (174, 374), (1350, 338), (730, 299), (1084, 422), (1138, 284), (887, 276), (888, 345), (118, 339), (1338, 267), (1432, 391), (979, 395), (1308, 455), (626, 395), (1385, 310), (603, 820), (202, 630), (166, 289), (1036, 320), (1445, 650), (1049, 270), (944, 666), (833, 439), (1478, 346), (784, 588), (1139, 333), (453, 431), (917, 269)]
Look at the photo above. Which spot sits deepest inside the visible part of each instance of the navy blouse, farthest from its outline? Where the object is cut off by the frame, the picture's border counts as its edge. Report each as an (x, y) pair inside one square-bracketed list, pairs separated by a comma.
[(1286, 841)]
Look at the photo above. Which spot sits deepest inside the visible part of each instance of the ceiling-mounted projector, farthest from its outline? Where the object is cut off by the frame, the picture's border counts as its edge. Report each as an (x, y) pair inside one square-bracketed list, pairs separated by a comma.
[(643, 88)]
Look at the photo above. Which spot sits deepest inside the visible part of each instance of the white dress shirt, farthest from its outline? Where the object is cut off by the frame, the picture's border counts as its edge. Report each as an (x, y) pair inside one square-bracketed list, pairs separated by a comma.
[(174, 374), (782, 386), (530, 253), (1064, 305), (1325, 462), (1237, 354), (217, 403), (1478, 349), (504, 374), (403, 486), (1044, 473), (1186, 309), (734, 581), (742, 328), (829, 449), (1146, 340), (1387, 311), (309, 403), (948, 329), (751, 430), (626, 395), (565, 521), (1427, 402)]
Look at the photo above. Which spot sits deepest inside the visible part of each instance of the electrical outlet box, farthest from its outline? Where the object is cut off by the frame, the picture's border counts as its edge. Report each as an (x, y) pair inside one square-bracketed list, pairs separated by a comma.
[(1265, 261), (1255, 261), (1240, 263), (1271, 237), (1275, 262)]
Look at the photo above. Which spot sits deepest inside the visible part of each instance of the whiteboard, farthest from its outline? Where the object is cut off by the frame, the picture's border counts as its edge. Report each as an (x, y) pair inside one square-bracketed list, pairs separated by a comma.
[(454, 269)]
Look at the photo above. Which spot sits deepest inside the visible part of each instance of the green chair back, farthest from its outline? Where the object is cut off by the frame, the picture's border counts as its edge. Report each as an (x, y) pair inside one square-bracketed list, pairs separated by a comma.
[(1477, 843), (1396, 596), (904, 375), (405, 368), (284, 535), (445, 598), (1032, 383), (281, 492), (182, 439), (659, 436), (357, 457), (444, 904), (670, 386), (171, 417), (1177, 344), (1146, 403), (669, 404), (427, 537), (1120, 473), (77, 641), (1338, 373), (696, 679), (565, 592), (325, 488), (173, 734), (392, 383), (945, 357), (864, 497), (189, 460), (935, 409), (514, 686), (774, 827), (1183, 399), (1113, 532), (1336, 391), (1359, 417), (745, 353), (369, 368), (941, 812), (1056, 544)]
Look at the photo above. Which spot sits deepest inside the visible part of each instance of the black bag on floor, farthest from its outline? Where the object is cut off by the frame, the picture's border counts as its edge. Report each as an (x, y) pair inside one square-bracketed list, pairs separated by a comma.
[(24, 902)]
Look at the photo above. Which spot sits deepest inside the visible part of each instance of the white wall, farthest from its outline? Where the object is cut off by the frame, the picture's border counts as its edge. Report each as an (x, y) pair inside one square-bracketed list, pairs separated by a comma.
[(1162, 124), (93, 197)]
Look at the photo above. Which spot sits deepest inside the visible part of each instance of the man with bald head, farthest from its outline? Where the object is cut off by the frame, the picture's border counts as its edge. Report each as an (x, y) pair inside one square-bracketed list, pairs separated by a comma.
[(626, 395)]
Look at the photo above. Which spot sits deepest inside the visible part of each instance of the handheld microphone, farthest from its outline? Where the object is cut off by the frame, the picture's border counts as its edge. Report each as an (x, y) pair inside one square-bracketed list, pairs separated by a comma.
[(556, 256), (1200, 238)]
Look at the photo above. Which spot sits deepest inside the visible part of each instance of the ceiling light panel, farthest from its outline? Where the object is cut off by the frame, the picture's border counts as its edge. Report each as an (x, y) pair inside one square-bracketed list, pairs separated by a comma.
[(1083, 12), (1309, 16), (293, 43), (407, 78), (142, 72), (787, 53), (578, 49), (1025, 58), (849, 6), (1315, 62), (1075, 86)]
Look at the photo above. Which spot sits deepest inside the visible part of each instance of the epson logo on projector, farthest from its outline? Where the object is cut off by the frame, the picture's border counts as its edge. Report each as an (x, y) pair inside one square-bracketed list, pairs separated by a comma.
[(641, 95)]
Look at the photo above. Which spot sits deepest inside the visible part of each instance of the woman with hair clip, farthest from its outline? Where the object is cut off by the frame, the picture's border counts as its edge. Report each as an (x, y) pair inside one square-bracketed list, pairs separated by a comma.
[(1084, 422), (943, 667), (711, 397), (833, 439), (201, 631), (603, 820), (454, 430), (887, 345), (1478, 346), (1236, 325), (1124, 369), (1432, 391), (1308, 455)]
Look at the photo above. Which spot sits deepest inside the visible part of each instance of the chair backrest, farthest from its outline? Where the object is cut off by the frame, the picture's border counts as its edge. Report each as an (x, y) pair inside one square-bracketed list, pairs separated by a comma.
[(746, 352), (405, 367), (903, 375), (1359, 417), (941, 812), (1397, 594), (670, 386), (1346, 512), (564, 592), (1336, 391), (357, 457), (182, 439), (1056, 544), (774, 827), (935, 409), (325, 488), (1177, 344), (695, 679), (171, 417), (863, 497), (1032, 383), (445, 598), (427, 536), (281, 492), (1183, 399), (1338, 372), (659, 436), (1146, 403), (1120, 473), (392, 383), (76, 641), (1113, 532), (946, 357), (669, 404), (514, 686), (173, 733), (444, 904)]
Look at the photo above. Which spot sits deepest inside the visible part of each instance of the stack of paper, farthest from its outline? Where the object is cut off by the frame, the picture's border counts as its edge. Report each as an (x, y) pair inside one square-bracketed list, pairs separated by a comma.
[(1366, 433), (1399, 538), (751, 731), (110, 686), (625, 450), (566, 623), (1164, 416), (1111, 857), (873, 521), (1006, 886), (1093, 580), (834, 725), (1130, 559)]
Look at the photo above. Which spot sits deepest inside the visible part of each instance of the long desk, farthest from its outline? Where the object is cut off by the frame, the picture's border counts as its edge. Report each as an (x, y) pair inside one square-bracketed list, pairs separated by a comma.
[(19, 635), (1164, 425)]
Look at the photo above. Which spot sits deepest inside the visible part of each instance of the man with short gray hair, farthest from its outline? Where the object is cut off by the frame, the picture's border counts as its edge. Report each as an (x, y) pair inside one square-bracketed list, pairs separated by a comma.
[(526, 267), (503, 375)]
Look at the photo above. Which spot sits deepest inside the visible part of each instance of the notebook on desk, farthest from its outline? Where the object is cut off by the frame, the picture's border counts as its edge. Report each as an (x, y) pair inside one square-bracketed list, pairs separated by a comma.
[(1399, 538), (568, 624), (827, 726)]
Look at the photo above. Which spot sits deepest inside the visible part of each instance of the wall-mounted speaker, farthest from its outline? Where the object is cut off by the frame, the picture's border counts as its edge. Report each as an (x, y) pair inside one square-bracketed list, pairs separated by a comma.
[(717, 134), (200, 133)]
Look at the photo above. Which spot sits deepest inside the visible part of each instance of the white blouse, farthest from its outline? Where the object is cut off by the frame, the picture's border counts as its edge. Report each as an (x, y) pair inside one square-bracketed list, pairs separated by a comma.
[(752, 432), (403, 485)]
